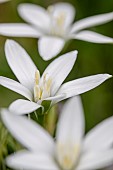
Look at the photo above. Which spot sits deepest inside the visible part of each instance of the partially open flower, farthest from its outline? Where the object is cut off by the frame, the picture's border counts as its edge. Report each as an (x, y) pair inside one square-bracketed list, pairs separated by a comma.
[(70, 151)]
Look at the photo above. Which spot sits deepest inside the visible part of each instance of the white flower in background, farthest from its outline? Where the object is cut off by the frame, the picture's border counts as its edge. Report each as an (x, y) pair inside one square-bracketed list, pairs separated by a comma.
[(47, 87), (70, 150), (2, 1), (54, 27)]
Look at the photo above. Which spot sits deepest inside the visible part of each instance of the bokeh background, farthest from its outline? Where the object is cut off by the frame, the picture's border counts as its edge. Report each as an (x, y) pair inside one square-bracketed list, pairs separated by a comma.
[(92, 58)]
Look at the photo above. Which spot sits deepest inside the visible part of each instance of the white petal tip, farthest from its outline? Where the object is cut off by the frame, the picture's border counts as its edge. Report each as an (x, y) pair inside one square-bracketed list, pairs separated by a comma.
[(9, 161), (45, 58), (73, 55), (49, 47), (75, 52), (111, 13), (21, 5), (108, 76), (9, 41), (111, 42)]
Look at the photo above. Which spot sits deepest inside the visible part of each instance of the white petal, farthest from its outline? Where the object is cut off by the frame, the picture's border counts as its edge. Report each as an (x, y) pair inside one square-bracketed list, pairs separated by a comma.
[(96, 160), (16, 87), (92, 21), (49, 47), (56, 97), (71, 123), (91, 36), (34, 161), (100, 137), (19, 30), (35, 15), (27, 132), (21, 106), (2, 1), (64, 8), (82, 85), (20, 63), (59, 69)]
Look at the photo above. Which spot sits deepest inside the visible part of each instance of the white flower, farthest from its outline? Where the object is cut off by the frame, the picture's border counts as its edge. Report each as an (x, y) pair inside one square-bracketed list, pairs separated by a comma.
[(70, 150), (54, 27), (2, 1), (49, 86)]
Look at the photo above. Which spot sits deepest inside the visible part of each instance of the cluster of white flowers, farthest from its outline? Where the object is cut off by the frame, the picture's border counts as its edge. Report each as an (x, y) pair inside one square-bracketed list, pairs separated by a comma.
[(71, 150)]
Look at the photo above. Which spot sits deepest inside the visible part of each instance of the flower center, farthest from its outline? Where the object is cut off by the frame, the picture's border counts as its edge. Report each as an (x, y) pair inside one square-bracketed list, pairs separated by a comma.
[(57, 22), (67, 155), (42, 89)]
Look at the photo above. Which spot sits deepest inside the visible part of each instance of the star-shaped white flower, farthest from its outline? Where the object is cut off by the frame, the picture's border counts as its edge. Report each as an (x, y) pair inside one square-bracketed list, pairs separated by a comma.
[(54, 27), (70, 150), (47, 87)]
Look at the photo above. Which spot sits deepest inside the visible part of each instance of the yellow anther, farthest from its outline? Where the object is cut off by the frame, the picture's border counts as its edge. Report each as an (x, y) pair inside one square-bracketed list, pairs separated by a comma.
[(41, 88), (37, 77)]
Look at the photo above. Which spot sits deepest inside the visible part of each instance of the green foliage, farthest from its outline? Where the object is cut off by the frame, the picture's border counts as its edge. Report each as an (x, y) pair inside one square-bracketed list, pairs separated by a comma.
[(7, 146)]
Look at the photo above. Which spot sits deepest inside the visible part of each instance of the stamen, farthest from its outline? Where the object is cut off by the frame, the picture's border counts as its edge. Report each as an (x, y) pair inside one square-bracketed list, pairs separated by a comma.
[(37, 89), (42, 90), (37, 93), (46, 86), (37, 77), (47, 82)]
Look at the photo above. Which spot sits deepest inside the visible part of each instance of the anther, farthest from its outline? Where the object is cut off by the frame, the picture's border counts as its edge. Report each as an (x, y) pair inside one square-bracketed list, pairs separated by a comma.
[(37, 77)]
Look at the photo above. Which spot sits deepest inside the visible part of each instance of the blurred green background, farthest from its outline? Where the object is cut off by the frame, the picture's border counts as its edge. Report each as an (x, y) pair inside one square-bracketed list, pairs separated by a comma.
[(92, 58)]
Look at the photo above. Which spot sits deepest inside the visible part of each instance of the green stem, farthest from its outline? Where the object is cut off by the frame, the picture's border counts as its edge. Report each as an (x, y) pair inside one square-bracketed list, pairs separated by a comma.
[(50, 120)]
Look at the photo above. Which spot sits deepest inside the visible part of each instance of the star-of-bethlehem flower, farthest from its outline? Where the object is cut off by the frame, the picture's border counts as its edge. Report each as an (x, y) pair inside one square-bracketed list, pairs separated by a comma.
[(55, 26), (47, 87), (70, 151)]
